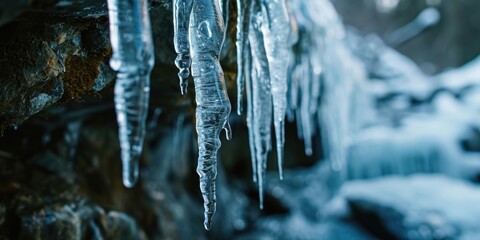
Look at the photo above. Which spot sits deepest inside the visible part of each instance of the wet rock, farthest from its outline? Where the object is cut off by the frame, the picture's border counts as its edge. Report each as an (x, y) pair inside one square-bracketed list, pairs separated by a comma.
[(415, 207)]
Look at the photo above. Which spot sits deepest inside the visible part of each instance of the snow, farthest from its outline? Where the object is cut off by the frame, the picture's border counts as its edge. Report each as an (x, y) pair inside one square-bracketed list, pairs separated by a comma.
[(445, 207)]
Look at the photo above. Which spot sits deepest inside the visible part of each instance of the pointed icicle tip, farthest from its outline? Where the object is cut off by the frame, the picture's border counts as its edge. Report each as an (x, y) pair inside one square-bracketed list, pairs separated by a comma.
[(183, 89), (130, 170), (129, 183), (239, 108), (228, 130), (207, 223), (280, 163)]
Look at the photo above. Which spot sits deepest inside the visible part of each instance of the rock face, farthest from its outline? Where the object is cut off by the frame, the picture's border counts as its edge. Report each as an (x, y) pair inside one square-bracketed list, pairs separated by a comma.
[(415, 207), (59, 53), (48, 59)]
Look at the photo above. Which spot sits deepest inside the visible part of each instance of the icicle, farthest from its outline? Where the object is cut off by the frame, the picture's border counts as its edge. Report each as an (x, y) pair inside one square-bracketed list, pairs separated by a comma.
[(241, 42), (213, 105), (292, 90), (133, 60), (224, 7), (181, 18), (305, 119), (250, 120), (276, 30), (261, 99)]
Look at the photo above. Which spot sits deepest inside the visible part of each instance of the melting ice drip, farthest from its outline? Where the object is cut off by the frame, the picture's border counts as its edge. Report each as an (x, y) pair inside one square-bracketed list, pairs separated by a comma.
[(199, 34), (133, 60)]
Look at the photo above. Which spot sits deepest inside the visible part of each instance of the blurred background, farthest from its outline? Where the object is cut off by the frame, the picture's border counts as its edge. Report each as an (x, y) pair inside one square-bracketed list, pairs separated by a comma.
[(395, 136)]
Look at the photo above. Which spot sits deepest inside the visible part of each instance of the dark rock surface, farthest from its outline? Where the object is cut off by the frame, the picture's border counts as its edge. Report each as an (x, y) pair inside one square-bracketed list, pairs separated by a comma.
[(58, 53), (50, 58)]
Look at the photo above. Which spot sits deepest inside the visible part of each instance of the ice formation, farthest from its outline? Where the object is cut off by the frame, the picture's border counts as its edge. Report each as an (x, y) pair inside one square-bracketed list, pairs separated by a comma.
[(241, 44), (311, 84), (323, 76), (183, 61), (203, 41), (133, 60), (260, 98), (263, 30), (267, 34)]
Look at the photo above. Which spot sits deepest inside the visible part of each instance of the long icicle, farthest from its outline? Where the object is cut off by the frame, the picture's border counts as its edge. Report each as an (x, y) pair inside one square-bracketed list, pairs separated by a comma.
[(276, 30), (213, 105), (261, 99), (243, 7), (133, 60), (181, 18), (250, 120)]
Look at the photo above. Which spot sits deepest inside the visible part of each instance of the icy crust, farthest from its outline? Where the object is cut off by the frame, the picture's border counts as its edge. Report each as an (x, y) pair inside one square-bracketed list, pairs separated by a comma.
[(418, 206)]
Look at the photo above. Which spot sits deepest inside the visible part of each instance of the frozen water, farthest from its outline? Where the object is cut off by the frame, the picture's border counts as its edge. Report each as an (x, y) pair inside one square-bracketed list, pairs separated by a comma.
[(261, 98), (181, 18), (276, 30), (133, 60), (213, 106), (241, 44)]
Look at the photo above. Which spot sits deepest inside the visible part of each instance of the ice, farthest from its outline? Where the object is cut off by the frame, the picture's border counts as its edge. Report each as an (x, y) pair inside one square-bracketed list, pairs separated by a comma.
[(206, 28), (199, 34), (263, 63), (241, 44), (298, 61), (181, 18), (250, 120), (261, 99), (276, 31), (133, 60)]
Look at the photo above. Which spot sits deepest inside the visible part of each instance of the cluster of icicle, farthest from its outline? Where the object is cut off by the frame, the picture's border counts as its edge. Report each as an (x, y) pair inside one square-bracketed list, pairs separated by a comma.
[(276, 81), (322, 77), (263, 34)]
